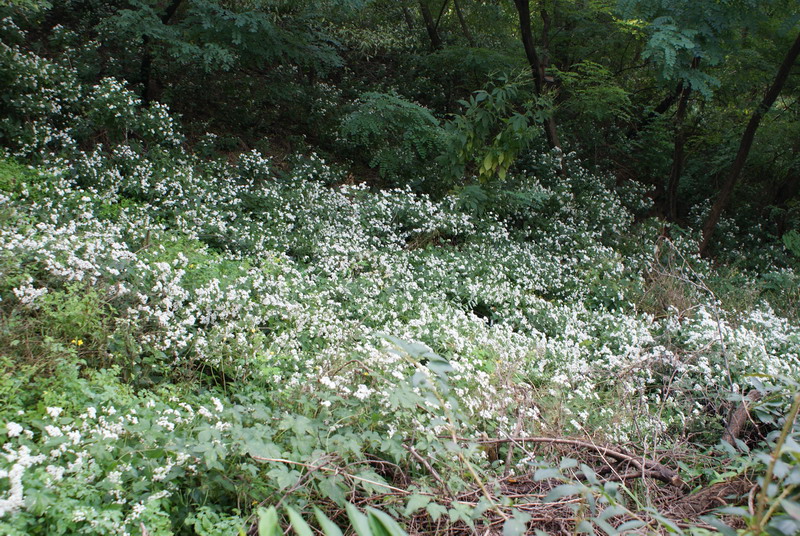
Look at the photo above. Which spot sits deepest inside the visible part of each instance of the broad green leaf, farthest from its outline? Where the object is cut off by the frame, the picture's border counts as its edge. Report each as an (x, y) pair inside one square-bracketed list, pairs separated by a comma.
[(435, 510), (299, 524), (631, 525), (589, 473), (606, 526), (328, 527), (611, 511), (333, 489), (544, 474), (719, 525), (791, 508), (358, 520), (568, 463), (516, 525), (564, 490), (387, 522), (415, 502), (268, 522)]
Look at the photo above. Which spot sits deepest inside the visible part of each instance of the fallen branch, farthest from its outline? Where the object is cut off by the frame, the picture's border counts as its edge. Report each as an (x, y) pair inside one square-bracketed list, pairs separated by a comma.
[(649, 468), (740, 417)]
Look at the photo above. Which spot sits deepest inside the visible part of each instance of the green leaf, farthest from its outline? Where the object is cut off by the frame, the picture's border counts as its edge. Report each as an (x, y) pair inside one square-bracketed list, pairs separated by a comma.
[(544, 474), (667, 523), (564, 490), (358, 520), (516, 525), (328, 527), (568, 463), (719, 525), (612, 511), (333, 489), (791, 508), (460, 512), (631, 525), (606, 526), (299, 525), (435, 510), (386, 522), (268, 522), (415, 502), (589, 473)]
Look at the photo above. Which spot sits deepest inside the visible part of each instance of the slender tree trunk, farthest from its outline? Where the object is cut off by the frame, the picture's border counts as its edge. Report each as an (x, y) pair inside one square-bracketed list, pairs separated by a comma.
[(464, 27), (677, 154), (409, 19), (746, 143), (430, 25), (677, 157), (537, 67), (785, 192), (146, 67)]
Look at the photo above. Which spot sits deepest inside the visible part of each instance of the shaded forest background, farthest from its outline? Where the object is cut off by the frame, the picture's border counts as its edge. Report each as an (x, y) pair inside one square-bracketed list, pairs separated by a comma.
[(437, 94)]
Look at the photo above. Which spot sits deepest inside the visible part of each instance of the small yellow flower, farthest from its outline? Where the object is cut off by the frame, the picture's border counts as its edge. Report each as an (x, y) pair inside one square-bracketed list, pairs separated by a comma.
[(77, 342), (253, 330)]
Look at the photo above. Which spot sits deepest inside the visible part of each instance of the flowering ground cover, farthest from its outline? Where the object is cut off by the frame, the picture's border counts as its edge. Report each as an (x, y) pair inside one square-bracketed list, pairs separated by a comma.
[(186, 340)]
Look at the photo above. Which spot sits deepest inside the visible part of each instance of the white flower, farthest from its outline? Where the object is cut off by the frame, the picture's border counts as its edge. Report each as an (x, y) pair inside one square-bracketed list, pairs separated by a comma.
[(54, 412), (363, 392), (13, 429)]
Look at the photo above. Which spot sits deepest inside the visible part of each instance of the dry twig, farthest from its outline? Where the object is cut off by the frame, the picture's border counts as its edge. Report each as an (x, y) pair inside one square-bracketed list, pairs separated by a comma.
[(650, 468)]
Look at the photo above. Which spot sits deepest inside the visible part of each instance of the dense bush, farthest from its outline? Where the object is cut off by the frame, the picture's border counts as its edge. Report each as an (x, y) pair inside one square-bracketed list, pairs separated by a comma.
[(401, 137)]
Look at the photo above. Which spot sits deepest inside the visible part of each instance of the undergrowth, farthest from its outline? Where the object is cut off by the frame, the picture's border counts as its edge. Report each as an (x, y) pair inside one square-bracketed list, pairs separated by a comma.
[(186, 342)]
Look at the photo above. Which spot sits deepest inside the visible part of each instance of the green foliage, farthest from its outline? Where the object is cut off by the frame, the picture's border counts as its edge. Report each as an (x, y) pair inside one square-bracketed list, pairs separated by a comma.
[(219, 36), (201, 338), (373, 523), (497, 124), (14, 177), (594, 94), (792, 242), (401, 137)]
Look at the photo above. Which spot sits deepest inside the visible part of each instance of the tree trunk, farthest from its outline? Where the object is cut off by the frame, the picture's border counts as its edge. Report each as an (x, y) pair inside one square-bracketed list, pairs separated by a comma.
[(677, 154), (409, 19), (430, 25), (537, 67), (464, 27), (146, 67), (746, 143), (783, 194), (677, 158)]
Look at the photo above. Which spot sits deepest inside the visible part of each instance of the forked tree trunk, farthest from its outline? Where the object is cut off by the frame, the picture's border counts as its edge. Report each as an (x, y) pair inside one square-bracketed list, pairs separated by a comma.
[(537, 66), (746, 143), (430, 25)]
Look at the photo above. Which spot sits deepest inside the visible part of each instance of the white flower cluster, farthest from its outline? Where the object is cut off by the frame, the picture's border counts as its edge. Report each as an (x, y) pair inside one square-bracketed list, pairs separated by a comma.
[(281, 278)]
